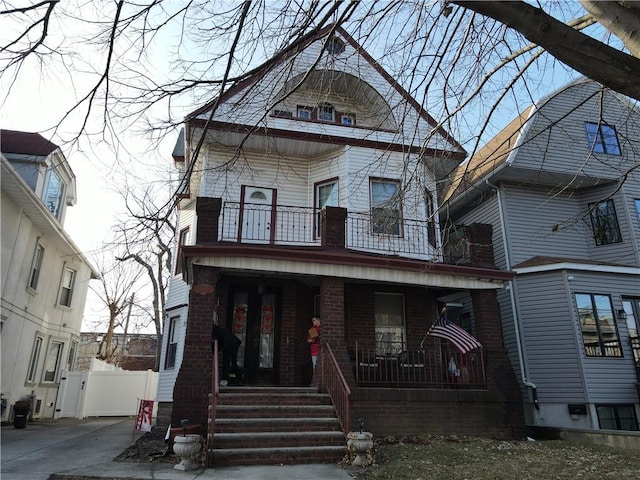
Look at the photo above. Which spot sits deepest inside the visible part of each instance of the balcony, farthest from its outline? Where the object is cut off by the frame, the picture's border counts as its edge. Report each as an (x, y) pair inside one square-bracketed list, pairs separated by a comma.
[(291, 225)]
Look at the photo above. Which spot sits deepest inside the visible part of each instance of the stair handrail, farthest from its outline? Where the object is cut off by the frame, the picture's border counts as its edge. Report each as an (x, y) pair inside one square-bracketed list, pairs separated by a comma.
[(213, 403), (336, 386)]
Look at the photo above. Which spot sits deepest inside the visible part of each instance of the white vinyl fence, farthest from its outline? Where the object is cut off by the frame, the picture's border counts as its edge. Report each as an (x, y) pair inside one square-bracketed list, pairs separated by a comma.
[(115, 393)]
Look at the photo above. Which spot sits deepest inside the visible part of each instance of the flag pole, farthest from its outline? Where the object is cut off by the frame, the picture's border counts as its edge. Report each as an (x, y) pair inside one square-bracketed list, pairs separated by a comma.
[(442, 312)]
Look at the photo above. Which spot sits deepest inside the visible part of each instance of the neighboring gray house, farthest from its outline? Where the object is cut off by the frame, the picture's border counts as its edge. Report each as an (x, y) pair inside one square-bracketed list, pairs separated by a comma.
[(561, 187)]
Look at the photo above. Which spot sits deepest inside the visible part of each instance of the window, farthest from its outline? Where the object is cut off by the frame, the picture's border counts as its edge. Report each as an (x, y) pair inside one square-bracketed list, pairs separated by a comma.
[(304, 113), (389, 316), (326, 112), (172, 343), (36, 266), (66, 286), (385, 207), (637, 200), (617, 417), (348, 119), (326, 196), (604, 223), (282, 114), (183, 239), (599, 330), (53, 193), (71, 358), (52, 362), (33, 361), (602, 138), (335, 46), (430, 217)]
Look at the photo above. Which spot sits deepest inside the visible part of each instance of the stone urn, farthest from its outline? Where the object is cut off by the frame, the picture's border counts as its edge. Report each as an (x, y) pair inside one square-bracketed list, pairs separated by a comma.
[(186, 446), (359, 446)]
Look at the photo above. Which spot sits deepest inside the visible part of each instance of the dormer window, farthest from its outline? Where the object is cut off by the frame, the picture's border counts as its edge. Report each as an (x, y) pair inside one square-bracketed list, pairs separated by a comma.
[(54, 193), (326, 113)]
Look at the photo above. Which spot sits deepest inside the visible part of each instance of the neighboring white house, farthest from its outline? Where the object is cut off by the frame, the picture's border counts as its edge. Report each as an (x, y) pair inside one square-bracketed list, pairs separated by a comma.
[(45, 277), (561, 187)]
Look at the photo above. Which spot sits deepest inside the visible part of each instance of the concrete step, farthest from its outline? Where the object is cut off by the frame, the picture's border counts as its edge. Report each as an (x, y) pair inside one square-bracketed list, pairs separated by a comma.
[(278, 455), (277, 439)]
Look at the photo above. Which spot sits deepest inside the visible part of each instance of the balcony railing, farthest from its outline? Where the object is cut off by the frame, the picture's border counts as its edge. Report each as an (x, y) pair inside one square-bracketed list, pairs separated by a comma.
[(434, 366), (395, 236), (258, 223), (289, 225)]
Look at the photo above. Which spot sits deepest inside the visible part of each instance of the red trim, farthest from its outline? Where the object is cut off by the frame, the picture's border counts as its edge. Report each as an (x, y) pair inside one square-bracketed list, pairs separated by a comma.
[(320, 138), (343, 257)]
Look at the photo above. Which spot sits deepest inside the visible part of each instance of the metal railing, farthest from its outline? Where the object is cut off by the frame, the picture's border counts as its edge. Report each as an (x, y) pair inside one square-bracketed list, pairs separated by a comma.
[(436, 365), (334, 383), (259, 223), (213, 404), (397, 236), (288, 225)]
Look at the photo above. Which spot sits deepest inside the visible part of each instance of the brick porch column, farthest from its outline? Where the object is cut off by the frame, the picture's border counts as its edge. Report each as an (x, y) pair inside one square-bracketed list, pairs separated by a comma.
[(333, 227), (193, 383), (480, 237), (333, 328), (208, 211)]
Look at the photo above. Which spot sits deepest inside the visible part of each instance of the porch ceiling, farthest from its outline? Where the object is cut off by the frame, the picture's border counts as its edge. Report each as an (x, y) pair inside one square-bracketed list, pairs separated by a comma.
[(344, 264)]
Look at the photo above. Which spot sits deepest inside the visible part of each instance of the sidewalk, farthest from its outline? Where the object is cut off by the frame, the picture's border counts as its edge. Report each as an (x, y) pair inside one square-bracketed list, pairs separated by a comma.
[(72, 447)]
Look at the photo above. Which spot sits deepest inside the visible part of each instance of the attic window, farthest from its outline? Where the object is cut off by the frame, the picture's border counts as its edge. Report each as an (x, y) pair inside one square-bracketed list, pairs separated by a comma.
[(326, 112), (282, 114), (348, 119), (304, 113), (335, 46)]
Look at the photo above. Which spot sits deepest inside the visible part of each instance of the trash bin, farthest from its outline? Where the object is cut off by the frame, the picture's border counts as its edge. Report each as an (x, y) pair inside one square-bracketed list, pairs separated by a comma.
[(21, 413)]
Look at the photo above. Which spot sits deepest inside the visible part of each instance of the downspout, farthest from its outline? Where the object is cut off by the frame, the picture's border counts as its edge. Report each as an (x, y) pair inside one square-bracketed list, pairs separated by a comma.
[(514, 312)]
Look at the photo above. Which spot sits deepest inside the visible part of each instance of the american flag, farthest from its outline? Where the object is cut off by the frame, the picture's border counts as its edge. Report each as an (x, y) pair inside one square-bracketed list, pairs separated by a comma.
[(462, 340)]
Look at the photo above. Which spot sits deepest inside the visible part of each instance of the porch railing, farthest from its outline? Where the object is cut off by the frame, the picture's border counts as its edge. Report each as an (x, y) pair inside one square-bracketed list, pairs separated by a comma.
[(434, 366), (290, 225), (334, 383), (213, 404)]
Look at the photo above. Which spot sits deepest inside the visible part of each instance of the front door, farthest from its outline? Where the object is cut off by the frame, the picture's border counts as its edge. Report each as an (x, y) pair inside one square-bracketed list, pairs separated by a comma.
[(257, 215), (254, 311)]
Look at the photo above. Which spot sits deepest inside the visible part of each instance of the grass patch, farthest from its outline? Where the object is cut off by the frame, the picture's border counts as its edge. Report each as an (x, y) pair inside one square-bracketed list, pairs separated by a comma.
[(466, 458)]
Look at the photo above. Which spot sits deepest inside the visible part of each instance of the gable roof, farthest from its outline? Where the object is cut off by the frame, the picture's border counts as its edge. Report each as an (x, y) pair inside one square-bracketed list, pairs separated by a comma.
[(260, 72), (26, 143)]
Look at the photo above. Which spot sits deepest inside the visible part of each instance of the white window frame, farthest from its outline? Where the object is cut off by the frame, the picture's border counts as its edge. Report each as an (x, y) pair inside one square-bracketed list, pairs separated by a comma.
[(348, 119), (386, 213), (36, 266), (390, 333), (34, 359), (322, 202), (183, 239), (54, 201), (52, 361), (172, 343), (304, 113), (67, 284), (326, 113), (71, 356)]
